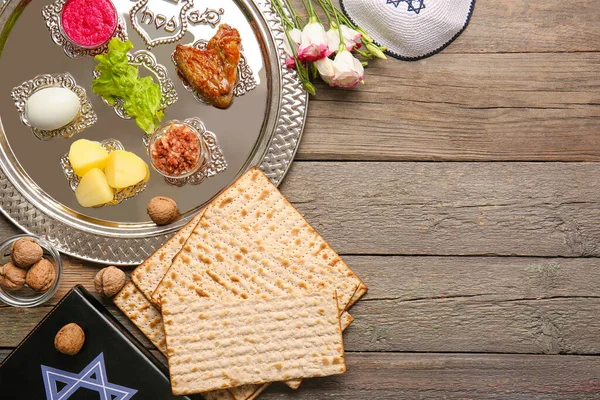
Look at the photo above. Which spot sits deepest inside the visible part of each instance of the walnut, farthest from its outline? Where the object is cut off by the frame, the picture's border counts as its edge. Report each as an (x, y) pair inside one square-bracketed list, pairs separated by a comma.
[(163, 210), (41, 276), (109, 281), (69, 339), (12, 277), (25, 252)]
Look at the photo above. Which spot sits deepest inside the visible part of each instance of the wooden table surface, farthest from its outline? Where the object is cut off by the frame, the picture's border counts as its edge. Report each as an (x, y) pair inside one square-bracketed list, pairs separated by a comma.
[(464, 190)]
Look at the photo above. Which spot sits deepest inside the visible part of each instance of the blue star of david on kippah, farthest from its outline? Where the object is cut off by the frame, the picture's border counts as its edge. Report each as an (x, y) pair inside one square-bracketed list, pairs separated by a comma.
[(413, 5), (92, 377)]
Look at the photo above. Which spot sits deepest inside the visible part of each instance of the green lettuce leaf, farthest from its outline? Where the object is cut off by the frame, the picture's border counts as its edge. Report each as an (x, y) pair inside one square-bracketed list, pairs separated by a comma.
[(119, 79)]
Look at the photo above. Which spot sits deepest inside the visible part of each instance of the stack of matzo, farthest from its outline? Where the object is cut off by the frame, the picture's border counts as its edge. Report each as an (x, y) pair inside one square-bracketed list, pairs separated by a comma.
[(249, 254)]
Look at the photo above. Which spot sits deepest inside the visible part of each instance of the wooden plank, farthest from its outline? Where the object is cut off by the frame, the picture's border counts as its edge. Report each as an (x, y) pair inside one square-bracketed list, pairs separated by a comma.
[(530, 209), (409, 279), (7, 228), (447, 304), (381, 376), (462, 107), (537, 26), (78, 272), (398, 376), (431, 278), (16, 323), (545, 326), (476, 304), (4, 353), (527, 26), (498, 26)]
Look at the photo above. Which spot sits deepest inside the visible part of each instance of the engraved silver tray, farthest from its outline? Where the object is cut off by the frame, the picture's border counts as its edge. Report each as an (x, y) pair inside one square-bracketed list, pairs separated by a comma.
[(262, 127)]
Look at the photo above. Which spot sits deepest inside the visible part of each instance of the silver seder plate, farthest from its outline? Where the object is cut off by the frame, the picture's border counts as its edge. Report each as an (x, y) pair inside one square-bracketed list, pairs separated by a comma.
[(262, 127)]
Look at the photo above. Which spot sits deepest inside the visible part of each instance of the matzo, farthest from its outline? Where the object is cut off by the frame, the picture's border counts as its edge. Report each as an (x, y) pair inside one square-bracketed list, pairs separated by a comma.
[(148, 274), (254, 203), (221, 394), (322, 251), (223, 260), (217, 261), (259, 391), (148, 320), (142, 313), (360, 292), (215, 344), (345, 321), (246, 392)]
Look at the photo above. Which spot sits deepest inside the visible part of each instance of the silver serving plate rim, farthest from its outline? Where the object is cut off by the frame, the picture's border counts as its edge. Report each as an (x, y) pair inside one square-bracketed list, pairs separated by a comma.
[(32, 210)]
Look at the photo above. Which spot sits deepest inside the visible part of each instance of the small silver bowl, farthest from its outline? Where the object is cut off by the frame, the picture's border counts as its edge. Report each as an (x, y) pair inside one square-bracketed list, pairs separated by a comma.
[(202, 154), (88, 47), (26, 297), (52, 14), (109, 145), (86, 117)]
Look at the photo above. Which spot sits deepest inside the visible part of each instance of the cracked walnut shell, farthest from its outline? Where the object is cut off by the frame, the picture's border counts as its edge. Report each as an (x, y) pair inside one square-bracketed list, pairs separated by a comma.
[(163, 210), (25, 252), (12, 277), (69, 339), (41, 276), (108, 281)]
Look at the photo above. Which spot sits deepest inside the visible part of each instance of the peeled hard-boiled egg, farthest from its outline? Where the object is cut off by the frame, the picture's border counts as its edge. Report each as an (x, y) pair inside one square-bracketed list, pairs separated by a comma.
[(52, 108)]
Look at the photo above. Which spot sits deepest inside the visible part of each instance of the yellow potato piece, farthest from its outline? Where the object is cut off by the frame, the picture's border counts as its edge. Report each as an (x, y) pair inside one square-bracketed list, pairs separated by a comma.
[(93, 189), (125, 169), (85, 155)]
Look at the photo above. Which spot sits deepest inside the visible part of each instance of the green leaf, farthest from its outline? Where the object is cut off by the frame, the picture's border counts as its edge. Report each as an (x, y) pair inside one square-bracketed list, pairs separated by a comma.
[(119, 79)]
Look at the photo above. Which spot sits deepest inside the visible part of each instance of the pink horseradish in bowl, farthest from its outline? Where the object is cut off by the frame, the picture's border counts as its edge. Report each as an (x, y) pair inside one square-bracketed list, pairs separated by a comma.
[(89, 24)]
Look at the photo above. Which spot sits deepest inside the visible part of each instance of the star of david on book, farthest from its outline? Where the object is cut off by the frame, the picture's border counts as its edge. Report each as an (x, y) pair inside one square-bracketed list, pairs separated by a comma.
[(92, 377), (413, 5)]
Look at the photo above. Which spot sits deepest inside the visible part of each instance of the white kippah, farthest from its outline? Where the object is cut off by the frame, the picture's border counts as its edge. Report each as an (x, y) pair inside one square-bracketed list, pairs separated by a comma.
[(411, 29)]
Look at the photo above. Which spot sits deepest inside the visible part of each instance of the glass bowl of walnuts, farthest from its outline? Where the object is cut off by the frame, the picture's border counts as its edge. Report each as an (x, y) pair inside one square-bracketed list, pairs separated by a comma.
[(30, 271)]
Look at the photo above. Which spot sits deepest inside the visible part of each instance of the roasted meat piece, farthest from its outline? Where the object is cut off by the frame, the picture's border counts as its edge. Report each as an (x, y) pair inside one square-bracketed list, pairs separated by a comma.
[(212, 72)]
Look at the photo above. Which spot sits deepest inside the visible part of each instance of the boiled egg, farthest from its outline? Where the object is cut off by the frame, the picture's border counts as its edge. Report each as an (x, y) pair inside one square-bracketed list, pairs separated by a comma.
[(52, 108)]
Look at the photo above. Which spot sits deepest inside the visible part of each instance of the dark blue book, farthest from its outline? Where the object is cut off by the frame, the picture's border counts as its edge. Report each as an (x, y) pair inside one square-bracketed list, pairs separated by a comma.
[(112, 365)]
